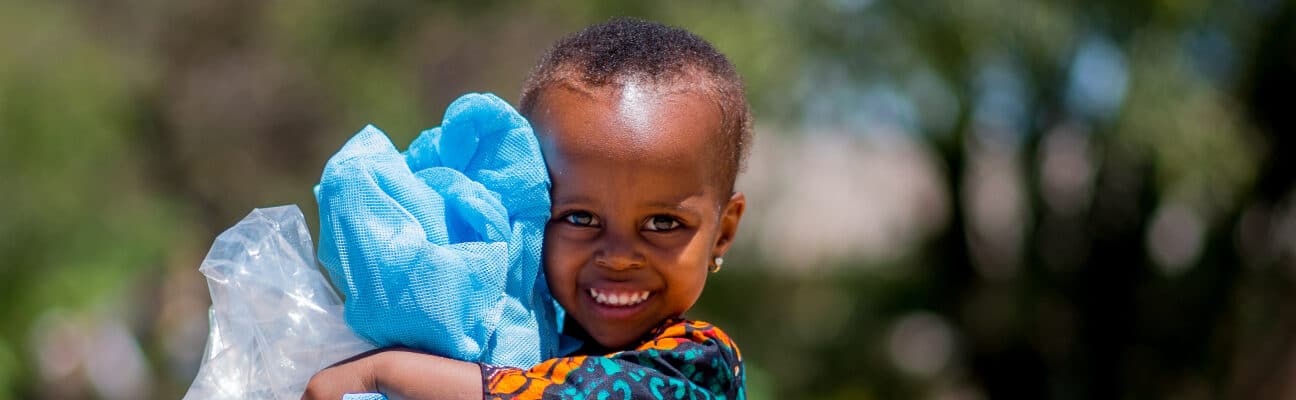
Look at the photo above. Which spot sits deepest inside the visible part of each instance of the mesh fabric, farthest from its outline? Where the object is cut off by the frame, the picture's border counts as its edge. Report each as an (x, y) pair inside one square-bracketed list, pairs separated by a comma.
[(438, 248)]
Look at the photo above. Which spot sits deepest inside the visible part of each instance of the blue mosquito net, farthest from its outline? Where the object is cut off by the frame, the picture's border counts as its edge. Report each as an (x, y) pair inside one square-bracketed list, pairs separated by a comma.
[(438, 248)]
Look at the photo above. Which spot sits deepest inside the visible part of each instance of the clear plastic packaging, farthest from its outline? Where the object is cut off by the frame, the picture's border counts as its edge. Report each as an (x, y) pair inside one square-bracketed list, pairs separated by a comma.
[(275, 320)]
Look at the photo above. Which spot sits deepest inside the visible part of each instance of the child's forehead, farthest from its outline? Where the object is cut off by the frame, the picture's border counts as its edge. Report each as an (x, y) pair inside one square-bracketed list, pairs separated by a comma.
[(634, 126), (636, 115)]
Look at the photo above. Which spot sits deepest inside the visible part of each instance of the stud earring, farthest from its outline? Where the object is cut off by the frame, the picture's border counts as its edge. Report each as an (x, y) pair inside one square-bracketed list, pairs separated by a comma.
[(715, 265)]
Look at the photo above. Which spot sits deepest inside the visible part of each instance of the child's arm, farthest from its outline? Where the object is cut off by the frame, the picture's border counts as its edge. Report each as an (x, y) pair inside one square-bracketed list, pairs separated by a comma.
[(687, 359), (399, 374)]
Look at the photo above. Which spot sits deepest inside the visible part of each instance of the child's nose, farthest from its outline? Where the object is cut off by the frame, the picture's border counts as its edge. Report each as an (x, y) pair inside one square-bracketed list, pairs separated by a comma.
[(618, 252)]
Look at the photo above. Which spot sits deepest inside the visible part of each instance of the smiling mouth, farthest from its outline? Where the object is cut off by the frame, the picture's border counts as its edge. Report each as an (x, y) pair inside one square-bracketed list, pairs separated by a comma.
[(619, 298)]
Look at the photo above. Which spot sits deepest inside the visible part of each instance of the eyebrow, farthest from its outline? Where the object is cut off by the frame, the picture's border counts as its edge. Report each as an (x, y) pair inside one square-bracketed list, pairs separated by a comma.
[(675, 205), (572, 199), (678, 206)]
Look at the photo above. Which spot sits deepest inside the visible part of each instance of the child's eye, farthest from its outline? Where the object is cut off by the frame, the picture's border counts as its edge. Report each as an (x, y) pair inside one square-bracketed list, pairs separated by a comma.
[(581, 218), (661, 223)]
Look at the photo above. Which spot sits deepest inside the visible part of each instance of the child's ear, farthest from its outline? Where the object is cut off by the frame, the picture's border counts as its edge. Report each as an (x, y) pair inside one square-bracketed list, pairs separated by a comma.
[(729, 218)]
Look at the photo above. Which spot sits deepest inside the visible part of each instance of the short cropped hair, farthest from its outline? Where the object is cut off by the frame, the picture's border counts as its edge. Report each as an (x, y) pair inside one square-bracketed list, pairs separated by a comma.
[(626, 49)]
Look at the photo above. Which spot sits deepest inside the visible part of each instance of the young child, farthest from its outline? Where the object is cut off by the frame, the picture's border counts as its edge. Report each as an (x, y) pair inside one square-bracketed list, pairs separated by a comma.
[(643, 128)]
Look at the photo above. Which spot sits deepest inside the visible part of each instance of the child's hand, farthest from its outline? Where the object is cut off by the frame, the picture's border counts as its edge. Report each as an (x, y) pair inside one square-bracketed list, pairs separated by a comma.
[(354, 375), (398, 374)]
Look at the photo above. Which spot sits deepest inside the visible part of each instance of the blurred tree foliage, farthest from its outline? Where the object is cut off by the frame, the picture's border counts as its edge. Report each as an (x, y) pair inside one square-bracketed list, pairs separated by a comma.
[(132, 132)]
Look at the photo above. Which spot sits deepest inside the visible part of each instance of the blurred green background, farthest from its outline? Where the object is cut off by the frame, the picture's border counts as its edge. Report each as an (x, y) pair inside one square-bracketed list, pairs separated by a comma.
[(949, 199)]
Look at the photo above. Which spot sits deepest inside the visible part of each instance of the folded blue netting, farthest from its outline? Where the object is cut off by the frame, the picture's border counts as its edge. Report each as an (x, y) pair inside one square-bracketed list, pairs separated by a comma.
[(438, 248)]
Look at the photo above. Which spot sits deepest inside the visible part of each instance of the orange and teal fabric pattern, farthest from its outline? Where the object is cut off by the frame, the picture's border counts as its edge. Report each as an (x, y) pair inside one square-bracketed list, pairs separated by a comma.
[(679, 359)]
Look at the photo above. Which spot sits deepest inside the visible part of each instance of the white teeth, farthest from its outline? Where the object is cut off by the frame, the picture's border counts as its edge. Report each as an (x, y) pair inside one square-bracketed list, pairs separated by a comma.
[(619, 299)]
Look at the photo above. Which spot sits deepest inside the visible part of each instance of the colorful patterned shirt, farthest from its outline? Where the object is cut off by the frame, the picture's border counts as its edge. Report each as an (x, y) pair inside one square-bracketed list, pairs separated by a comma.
[(678, 359)]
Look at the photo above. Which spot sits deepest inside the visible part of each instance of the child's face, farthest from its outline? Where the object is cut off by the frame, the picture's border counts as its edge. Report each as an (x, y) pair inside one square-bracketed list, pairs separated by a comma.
[(638, 212)]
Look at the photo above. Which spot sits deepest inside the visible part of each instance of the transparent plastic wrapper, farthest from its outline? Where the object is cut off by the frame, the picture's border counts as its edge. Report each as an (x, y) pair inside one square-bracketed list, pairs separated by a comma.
[(275, 321)]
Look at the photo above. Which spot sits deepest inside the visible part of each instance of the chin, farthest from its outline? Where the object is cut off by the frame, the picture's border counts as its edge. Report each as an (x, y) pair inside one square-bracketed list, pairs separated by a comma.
[(615, 340), (619, 336)]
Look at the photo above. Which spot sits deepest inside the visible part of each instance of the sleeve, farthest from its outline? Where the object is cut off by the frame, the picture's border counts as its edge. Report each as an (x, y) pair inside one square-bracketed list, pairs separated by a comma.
[(687, 360)]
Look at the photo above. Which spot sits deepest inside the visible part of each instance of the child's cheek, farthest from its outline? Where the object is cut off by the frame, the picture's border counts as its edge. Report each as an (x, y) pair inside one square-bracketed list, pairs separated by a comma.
[(560, 264), (675, 242)]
